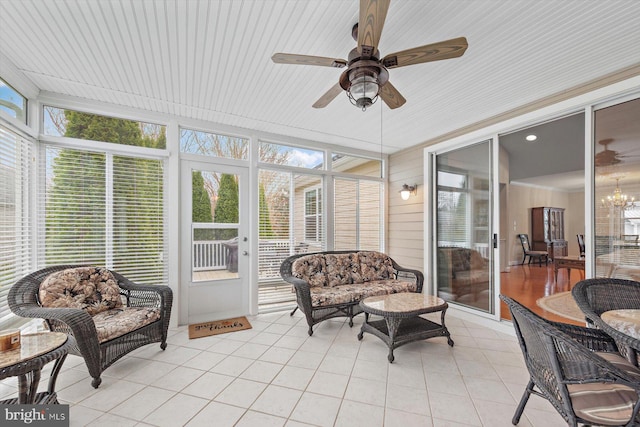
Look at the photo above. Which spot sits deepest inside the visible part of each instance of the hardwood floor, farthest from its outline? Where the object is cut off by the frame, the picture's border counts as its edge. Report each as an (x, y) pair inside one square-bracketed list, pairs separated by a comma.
[(527, 283)]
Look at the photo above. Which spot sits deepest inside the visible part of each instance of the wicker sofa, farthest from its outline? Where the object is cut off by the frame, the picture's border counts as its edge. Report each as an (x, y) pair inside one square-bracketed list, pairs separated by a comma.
[(332, 283), (462, 274), (107, 314)]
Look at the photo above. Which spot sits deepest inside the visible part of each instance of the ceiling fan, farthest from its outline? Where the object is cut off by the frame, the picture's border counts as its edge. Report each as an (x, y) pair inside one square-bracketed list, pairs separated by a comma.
[(608, 157), (367, 77)]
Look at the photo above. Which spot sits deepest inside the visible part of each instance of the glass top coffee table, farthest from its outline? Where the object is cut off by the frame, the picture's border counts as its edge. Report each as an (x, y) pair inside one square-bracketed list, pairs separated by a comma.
[(401, 322), (26, 362)]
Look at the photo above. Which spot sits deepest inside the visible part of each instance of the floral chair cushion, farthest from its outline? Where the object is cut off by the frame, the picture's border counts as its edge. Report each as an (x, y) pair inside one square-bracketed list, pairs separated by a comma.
[(349, 294), (311, 268), (342, 269), (375, 266), (116, 322), (93, 289)]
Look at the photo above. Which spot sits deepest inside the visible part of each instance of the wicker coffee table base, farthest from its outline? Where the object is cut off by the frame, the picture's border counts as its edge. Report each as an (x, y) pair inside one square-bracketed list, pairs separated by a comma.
[(397, 331)]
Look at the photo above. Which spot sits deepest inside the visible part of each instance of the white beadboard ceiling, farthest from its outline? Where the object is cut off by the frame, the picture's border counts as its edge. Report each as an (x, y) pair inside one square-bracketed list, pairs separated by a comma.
[(211, 60)]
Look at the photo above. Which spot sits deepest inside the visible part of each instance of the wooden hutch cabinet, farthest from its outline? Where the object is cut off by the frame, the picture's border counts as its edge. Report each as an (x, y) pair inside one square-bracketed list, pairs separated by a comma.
[(547, 231)]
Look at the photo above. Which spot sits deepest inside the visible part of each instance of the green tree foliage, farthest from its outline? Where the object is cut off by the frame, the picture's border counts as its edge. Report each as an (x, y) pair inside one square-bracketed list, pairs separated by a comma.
[(226, 211), (200, 207), (75, 208), (101, 128), (266, 231)]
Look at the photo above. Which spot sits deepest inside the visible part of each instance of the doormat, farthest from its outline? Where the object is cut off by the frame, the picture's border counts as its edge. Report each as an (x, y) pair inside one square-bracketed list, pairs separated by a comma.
[(563, 305), (199, 330)]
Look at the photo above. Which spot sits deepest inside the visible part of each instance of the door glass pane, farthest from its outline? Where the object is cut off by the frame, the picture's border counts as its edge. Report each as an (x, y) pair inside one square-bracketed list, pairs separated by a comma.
[(290, 223), (463, 220), (215, 214), (617, 190)]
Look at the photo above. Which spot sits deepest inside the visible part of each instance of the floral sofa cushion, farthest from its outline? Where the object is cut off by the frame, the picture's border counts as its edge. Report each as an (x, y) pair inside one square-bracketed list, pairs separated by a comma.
[(311, 268), (116, 322), (93, 289), (342, 269), (348, 294), (375, 266)]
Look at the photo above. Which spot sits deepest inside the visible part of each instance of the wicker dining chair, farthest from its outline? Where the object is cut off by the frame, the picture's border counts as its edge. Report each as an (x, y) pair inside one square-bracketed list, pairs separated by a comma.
[(24, 301), (578, 370), (595, 296)]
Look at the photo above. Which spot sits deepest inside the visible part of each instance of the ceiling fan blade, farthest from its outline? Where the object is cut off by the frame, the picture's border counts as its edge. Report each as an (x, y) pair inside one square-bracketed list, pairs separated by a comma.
[(432, 52), (391, 96), (290, 58), (328, 96), (371, 20)]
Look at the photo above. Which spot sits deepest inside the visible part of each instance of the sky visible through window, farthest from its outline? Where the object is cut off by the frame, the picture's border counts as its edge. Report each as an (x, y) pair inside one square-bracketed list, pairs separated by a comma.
[(11, 102)]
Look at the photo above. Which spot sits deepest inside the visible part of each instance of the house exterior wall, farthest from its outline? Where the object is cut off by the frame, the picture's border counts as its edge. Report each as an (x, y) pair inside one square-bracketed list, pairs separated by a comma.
[(405, 231)]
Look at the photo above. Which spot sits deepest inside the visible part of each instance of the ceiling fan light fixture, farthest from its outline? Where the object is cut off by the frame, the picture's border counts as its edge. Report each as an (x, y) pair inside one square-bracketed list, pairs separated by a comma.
[(363, 91)]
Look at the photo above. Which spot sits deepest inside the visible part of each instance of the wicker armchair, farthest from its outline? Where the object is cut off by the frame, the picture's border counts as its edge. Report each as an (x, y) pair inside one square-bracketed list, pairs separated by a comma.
[(24, 301), (577, 369), (595, 296)]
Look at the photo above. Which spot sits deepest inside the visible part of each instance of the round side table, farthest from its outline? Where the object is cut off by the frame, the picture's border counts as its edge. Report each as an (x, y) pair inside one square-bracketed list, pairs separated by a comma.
[(26, 362)]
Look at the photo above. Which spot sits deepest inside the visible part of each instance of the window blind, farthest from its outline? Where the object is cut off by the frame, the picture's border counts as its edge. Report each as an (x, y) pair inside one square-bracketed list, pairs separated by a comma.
[(357, 214), (104, 209), (15, 233)]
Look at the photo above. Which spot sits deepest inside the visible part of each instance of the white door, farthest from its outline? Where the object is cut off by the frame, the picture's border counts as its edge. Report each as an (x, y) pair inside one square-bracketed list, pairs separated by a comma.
[(214, 242)]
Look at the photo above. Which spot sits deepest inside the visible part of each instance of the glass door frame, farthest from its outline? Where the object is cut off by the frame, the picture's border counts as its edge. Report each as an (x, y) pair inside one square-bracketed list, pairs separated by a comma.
[(244, 261), (430, 215)]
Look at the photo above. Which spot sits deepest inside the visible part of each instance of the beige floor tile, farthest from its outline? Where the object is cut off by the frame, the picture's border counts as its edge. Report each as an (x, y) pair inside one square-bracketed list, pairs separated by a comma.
[(276, 400), (176, 411), (328, 384), (217, 414), (316, 409), (357, 414), (241, 393), (275, 375)]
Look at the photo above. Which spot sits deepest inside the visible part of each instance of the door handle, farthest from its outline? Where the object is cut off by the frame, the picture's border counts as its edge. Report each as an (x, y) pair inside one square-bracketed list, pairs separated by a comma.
[(495, 240), (245, 253)]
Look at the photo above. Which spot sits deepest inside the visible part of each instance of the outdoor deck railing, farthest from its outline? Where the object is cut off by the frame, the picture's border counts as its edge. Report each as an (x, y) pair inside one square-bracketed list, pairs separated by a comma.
[(209, 255), (213, 254)]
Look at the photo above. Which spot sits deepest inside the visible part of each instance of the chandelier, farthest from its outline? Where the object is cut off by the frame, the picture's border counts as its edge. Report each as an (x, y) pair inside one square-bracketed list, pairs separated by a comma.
[(617, 199)]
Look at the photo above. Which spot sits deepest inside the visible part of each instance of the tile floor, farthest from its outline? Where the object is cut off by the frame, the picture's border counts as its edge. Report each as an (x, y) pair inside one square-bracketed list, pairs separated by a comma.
[(276, 375)]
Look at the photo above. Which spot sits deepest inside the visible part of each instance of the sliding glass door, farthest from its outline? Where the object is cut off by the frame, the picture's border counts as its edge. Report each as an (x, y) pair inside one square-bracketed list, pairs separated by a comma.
[(617, 190), (464, 238)]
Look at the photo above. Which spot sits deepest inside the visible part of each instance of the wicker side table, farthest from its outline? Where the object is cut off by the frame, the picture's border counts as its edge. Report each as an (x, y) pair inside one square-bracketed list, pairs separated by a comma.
[(401, 323), (26, 363)]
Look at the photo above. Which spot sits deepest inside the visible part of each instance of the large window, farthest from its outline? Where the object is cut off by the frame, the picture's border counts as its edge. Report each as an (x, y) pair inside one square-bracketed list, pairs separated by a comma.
[(15, 209), (104, 209), (98, 206), (291, 156), (358, 214), (12, 103), (215, 145), (93, 127)]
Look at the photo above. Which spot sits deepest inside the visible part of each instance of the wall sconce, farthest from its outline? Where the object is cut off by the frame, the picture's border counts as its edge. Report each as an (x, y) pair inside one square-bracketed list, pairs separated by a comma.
[(407, 190)]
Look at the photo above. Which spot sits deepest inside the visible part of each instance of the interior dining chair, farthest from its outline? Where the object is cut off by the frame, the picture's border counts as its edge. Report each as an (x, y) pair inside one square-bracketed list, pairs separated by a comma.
[(527, 252), (577, 369), (580, 238)]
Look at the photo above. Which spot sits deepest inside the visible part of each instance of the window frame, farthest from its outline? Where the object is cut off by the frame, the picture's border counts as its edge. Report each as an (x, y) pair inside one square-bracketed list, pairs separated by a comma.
[(317, 215)]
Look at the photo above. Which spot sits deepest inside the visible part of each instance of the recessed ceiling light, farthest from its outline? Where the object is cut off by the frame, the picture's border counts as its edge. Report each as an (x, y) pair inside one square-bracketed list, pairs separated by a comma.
[(531, 138)]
